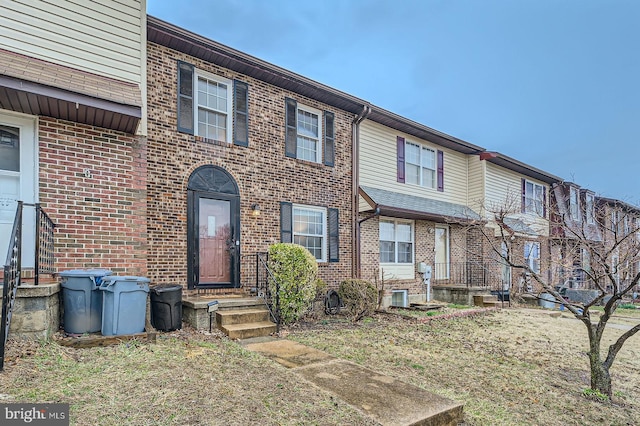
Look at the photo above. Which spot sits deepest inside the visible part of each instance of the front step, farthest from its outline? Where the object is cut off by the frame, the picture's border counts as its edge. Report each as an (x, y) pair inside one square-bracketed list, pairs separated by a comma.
[(486, 301), (244, 323), (248, 330)]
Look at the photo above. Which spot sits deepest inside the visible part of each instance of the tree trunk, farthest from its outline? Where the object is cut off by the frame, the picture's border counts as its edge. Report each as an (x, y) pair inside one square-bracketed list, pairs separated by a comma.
[(600, 377)]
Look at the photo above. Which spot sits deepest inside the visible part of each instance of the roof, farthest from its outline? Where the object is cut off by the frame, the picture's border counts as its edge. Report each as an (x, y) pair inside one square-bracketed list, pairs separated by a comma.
[(414, 207), (519, 167), (517, 225), (38, 87)]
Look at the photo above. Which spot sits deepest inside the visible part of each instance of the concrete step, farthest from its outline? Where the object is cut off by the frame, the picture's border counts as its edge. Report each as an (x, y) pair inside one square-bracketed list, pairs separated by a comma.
[(486, 300), (241, 316), (249, 330)]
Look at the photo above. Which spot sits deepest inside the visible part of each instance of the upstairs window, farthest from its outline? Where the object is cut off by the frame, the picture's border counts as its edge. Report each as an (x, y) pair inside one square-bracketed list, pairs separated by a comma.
[(309, 133), (396, 241), (574, 204), (590, 209), (212, 106), (420, 165), (534, 198)]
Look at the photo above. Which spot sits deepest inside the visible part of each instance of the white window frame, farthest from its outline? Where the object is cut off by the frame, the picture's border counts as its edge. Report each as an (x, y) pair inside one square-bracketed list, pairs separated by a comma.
[(301, 207), (433, 168), (574, 203), (590, 208), (405, 298), (533, 204), (200, 74), (319, 144), (396, 222), (532, 262)]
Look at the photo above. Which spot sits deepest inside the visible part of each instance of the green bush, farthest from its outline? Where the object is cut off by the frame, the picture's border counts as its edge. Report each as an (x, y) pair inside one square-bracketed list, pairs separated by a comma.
[(295, 269), (359, 298)]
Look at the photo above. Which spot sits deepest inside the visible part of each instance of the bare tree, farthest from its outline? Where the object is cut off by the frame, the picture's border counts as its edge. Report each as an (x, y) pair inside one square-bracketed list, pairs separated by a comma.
[(613, 271)]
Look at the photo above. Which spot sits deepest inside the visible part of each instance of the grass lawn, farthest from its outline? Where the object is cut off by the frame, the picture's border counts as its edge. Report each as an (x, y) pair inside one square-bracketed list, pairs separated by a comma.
[(513, 367)]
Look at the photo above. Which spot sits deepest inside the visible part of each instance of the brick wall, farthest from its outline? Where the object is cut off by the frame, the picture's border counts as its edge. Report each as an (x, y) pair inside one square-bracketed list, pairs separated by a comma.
[(263, 174), (101, 218)]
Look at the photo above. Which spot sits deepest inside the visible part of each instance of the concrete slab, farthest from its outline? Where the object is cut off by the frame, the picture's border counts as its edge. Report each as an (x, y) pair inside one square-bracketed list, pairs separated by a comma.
[(385, 399)]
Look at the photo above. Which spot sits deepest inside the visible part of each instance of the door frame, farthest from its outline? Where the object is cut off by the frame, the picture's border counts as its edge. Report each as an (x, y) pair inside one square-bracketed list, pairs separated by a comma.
[(215, 183), (447, 251)]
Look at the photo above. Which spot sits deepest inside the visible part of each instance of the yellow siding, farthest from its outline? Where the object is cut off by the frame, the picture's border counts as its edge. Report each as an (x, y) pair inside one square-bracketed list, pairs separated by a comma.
[(476, 183), (104, 37), (378, 165), (503, 189)]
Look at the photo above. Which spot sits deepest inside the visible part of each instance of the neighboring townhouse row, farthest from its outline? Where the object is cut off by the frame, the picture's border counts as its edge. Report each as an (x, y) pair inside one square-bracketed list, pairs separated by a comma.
[(159, 152)]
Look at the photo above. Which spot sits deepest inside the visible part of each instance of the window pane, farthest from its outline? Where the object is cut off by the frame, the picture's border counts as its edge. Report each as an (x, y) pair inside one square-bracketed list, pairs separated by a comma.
[(307, 124), (9, 148), (403, 232), (405, 253), (428, 158), (411, 174), (412, 153), (313, 244), (387, 231), (307, 149), (387, 252), (428, 178)]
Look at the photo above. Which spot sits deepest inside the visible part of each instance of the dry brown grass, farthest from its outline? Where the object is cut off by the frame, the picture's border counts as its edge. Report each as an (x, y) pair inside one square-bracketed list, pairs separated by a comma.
[(513, 367)]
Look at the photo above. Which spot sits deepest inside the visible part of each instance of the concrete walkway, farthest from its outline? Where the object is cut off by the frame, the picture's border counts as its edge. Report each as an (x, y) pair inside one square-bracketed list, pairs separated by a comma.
[(385, 399)]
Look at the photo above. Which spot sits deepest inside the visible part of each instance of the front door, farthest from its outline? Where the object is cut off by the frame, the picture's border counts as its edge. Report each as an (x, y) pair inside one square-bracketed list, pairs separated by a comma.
[(213, 229), (18, 181), (441, 249)]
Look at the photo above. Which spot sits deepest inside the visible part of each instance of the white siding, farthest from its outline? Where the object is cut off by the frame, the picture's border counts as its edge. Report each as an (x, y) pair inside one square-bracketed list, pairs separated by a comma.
[(104, 37), (503, 188), (476, 183), (378, 165)]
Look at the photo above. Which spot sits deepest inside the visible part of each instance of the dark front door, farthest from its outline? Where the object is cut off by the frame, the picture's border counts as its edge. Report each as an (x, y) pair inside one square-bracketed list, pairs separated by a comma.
[(213, 229)]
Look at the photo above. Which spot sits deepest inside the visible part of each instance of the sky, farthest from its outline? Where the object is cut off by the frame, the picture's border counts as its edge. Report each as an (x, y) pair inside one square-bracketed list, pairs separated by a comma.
[(552, 83)]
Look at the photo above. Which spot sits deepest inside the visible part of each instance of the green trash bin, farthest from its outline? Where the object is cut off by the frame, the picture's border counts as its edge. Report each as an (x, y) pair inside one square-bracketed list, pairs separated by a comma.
[(124, 304), (82, 300)]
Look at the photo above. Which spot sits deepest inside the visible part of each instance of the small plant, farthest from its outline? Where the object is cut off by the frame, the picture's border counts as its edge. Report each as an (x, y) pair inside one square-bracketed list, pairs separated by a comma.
[(595, 395), (359, 297), (627, 306), (295, 271)]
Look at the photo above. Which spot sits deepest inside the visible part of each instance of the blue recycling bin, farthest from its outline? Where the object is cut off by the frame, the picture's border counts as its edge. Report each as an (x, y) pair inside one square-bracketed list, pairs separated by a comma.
[(124, 304), (82, 300)]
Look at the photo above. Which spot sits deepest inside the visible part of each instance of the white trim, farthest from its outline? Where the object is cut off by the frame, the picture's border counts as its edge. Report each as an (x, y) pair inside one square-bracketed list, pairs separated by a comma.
[(405, 298), (420, 166), (447, 249), (533, 199), (395, 222), (324, 226), (198, 73), (320, 115)]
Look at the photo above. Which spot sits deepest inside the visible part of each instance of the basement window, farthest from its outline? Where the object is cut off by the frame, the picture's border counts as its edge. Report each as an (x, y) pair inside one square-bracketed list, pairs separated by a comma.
[(400, 298)]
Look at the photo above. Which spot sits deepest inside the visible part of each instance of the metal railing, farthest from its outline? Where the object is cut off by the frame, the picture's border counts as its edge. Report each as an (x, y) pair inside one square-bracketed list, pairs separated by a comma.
[(44, 261), (266, 286), (469, 274), (12, 271)]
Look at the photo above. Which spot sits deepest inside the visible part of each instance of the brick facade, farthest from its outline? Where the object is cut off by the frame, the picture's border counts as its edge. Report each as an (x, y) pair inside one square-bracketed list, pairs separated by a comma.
[(263, 174), (99, 216)]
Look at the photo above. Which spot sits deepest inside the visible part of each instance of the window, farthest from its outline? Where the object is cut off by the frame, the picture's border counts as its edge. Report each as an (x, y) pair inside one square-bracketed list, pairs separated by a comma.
[(627, 224), (315, 228), (615, 219), (305, 138), (400, 298), (396, 241), (590, 209), (534, 198), (574, 204), (532, 255), (420, 166), (211, 106)]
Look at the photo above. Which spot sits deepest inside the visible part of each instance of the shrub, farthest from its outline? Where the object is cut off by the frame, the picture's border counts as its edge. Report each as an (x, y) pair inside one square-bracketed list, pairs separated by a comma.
[(359, 298), (295, 269)]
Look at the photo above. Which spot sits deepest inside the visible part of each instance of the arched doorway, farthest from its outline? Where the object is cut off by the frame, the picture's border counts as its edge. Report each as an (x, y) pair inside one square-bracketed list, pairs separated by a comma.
[(213, 229)]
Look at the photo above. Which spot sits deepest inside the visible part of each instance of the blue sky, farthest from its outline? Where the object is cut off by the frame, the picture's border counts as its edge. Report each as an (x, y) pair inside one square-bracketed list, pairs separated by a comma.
[(552, 83)]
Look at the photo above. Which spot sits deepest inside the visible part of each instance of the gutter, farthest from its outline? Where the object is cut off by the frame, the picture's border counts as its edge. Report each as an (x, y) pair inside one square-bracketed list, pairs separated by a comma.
[(355, 171)]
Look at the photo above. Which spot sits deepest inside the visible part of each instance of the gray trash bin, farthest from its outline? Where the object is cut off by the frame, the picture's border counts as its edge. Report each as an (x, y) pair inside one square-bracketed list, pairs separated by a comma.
[(124, 304), (82, 300)]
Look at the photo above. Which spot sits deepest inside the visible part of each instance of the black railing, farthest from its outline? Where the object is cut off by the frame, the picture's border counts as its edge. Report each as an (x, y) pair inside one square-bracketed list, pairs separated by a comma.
[(471, 274), (44, 262), (265, 284), (11, 281)]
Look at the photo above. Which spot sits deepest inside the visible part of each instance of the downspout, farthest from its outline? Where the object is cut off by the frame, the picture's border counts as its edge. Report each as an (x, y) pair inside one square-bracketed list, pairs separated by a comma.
[(355, 167)]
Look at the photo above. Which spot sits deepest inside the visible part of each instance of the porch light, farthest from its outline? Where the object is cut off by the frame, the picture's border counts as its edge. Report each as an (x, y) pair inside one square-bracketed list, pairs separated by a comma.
[(255, 209)]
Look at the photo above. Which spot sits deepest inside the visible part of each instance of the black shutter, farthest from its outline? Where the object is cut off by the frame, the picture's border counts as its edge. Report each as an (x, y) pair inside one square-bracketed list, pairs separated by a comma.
[(185, 97), (334, 235), (400, 158), (329, 139), (440, 171), (286, 222), (240, 113), (291, 137)]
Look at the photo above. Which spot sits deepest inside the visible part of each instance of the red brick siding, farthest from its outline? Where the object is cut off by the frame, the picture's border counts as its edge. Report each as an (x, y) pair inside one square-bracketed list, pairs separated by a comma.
[(100, 220), (263, 174)]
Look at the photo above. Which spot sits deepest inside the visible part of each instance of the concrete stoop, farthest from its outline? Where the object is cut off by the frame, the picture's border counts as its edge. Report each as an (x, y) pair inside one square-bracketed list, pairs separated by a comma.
[(486, 301), (385, 399), (244, 323)]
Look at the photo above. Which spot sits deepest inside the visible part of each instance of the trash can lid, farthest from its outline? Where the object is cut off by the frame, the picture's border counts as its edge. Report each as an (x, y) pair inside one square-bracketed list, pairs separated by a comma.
[(163, 288), (116, 278), (85, 273)]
